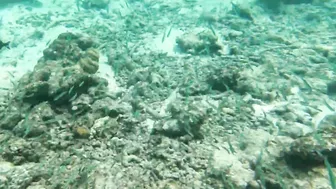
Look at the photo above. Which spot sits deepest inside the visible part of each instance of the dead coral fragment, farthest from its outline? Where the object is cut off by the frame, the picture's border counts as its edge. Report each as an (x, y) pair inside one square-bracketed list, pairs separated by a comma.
[(205, 42), (184, 120), (81, 132)]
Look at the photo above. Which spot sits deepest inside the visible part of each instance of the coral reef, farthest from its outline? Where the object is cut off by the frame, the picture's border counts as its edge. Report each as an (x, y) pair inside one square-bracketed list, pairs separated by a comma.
[(62, 83), (63, 73)]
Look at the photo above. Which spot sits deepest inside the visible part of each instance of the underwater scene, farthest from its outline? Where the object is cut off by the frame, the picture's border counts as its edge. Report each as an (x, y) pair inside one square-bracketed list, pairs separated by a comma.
[(167, 94)]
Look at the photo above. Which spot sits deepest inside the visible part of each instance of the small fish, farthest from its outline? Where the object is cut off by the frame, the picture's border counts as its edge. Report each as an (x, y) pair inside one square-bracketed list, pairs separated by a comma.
[(73, 98), (4, 44), (164, 35), (231, 147), (171, 27), (330, 173), (328, 105), (310, 89), (70, 91), (212, 29), (60, 96), (81, 84)]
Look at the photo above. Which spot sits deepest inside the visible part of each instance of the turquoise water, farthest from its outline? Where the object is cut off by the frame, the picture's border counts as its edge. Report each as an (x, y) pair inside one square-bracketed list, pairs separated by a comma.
[(167, 94)]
